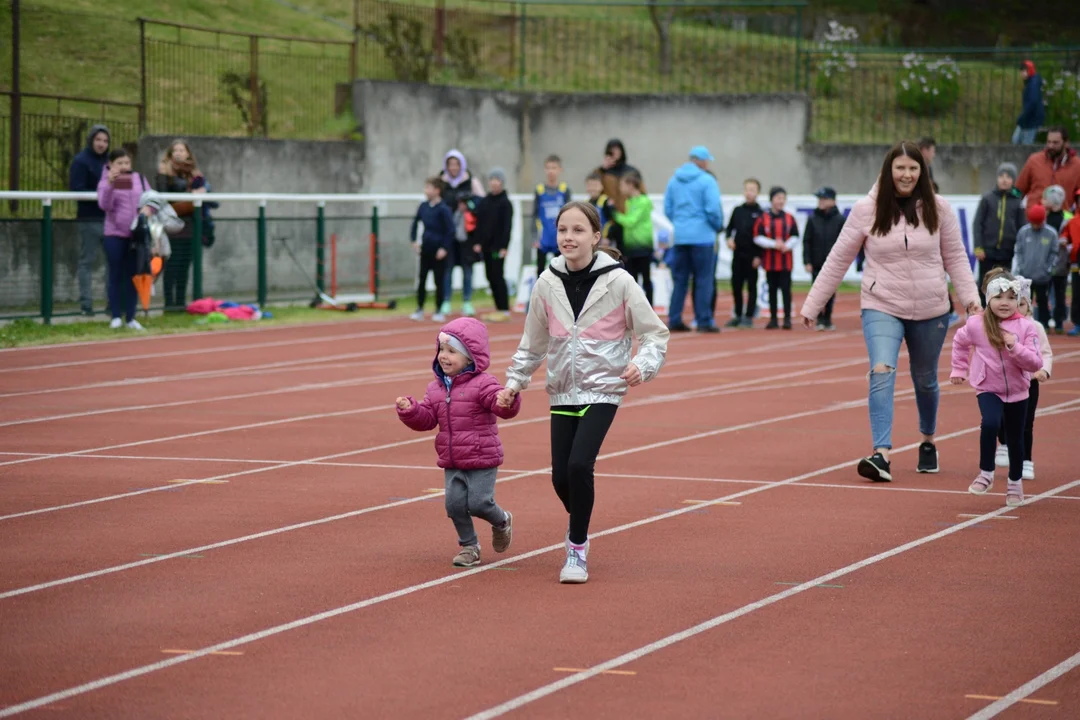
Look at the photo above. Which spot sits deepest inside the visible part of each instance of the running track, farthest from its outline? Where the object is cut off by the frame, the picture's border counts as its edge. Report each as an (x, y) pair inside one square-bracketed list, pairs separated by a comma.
[(236, 525)]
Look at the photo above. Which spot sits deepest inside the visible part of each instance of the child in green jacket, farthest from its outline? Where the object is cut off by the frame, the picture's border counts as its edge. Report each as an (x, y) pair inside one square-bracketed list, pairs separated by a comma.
[(637, 229)]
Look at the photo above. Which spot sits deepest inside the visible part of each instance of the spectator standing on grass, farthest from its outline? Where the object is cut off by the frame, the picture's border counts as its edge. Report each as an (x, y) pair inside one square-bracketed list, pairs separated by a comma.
[(461, 192), (1056, 164), (494, 220), (178, 172), (84, 176), (912, 238), (745, 254), (586, 313), (1032, 114), (118, 193), (822, 230), (999, 217), (692, 204)]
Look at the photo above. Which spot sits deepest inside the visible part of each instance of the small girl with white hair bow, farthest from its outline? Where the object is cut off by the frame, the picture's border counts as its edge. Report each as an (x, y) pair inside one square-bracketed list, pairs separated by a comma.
[(999, 351)]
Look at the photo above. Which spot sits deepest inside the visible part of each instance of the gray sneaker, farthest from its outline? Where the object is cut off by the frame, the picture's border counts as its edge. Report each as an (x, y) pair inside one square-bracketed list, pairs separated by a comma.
[(575, 570), (468, 556), (501, 536)]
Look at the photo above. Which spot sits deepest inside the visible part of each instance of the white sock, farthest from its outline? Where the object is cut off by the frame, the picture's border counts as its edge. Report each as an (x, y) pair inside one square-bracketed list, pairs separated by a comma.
[(988, 474)]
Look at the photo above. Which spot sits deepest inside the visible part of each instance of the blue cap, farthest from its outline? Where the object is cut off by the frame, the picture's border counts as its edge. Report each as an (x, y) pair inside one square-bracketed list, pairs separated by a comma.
[(700, 152)]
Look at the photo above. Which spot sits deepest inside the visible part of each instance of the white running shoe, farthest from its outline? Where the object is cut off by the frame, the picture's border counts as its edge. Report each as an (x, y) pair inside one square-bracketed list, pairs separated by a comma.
[(134, 325), (1029, 470), (116, 323), (575, 570), (1001, 459), (418, 315), (439, 317)]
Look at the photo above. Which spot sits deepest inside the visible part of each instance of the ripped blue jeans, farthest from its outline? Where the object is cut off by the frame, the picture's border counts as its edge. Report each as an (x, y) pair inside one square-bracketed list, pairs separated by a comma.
[(925, 338)]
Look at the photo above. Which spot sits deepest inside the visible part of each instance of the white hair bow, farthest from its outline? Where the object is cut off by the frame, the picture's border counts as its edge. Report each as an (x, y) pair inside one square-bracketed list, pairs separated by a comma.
[(1001, 285), (1025, 288)]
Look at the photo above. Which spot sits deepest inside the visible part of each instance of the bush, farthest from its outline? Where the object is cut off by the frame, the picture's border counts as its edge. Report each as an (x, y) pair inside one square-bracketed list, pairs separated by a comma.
[(1061, 95), (927, 88), (837, 61)]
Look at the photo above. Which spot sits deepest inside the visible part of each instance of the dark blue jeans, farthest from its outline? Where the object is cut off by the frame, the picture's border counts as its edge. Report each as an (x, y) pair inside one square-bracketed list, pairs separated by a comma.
[(122, 293), (696, 260)]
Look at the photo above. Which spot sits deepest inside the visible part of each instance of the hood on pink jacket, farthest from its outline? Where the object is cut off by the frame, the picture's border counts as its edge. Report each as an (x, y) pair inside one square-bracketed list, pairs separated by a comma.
[(473, 335), (1006, 373), (905, 271)]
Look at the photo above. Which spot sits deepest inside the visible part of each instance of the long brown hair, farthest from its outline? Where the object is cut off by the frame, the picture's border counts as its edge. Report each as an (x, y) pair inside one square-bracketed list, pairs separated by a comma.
[(887, 210), (991, 322), (593, 216), (188, 169)]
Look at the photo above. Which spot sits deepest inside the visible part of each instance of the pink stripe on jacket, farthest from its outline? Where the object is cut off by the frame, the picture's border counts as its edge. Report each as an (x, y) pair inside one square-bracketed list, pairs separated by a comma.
[(1006, 373), (904, 274)]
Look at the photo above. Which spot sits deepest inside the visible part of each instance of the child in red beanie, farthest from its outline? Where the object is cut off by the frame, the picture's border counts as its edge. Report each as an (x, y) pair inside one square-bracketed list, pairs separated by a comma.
[(1036, 255)]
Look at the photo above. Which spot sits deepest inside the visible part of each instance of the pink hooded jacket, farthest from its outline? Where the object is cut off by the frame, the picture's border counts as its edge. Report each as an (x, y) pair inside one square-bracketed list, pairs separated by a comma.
[(904, 274), (1006, 373), (465, 413), (120, 206)]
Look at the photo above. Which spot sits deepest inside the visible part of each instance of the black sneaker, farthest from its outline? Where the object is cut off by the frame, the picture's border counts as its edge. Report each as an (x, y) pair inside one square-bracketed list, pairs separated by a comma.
[(875, 468), (773, 325), (733, 323), (787, 323), (678, 327), (708, 329), (927, 458)]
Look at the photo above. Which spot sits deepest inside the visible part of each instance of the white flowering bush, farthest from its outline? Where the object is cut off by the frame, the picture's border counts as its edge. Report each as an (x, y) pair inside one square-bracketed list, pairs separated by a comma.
[(1061, 95), (927, 88), (837, 61)]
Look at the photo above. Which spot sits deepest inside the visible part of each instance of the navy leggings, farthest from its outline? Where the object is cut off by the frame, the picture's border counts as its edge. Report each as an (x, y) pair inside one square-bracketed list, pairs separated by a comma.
[(121, 259), (999, 414)]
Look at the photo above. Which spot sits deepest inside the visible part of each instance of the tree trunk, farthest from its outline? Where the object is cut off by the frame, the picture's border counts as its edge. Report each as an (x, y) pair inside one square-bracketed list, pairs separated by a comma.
[(662, 22)]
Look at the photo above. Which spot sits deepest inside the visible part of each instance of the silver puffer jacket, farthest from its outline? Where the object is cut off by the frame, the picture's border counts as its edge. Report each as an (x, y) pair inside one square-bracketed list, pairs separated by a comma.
[(585, 357)]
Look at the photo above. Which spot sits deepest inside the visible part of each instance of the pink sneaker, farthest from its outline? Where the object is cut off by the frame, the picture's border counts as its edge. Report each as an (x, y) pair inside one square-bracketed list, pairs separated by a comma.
[(1014, 493), (982, 484)]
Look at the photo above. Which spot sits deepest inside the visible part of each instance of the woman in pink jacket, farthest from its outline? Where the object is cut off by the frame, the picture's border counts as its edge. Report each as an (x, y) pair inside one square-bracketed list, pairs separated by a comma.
[(998, 353), (118, 194), (462, 402), (911, 238)]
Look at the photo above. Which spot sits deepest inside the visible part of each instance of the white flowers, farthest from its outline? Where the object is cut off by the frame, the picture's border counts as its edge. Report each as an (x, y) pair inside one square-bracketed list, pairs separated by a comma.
[(926, 87), (838, 61)]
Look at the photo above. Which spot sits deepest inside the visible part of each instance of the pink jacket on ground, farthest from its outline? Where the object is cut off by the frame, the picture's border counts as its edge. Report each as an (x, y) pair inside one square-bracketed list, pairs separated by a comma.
[(904, 273), (467, 412), (1006, 373), (120, 206)]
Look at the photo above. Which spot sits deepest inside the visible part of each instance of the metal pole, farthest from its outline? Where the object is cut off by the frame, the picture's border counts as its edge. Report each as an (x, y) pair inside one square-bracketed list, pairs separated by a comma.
[(320, 247), (440, 31), (142, 75), (373, 278), (798, 46), (196, 253), (354, 51), (47, 262), (261, 293), (16, 108)]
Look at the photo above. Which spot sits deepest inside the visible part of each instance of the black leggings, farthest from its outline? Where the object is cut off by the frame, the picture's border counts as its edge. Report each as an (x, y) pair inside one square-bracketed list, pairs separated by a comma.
[(493, 269), (1029, 421), (576, 436), (428, 263), (642, 267), (998, 414), (779, 281), (743, 273)]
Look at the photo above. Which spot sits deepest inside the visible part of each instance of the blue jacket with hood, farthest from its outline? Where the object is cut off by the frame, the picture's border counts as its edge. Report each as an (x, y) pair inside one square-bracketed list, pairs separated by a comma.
[(85, 173), (692, 204)]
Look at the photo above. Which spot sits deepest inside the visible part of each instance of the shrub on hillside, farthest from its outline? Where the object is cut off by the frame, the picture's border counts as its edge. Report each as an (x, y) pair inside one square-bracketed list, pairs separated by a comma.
[(927, 88), (1061, 95), (837, 61)]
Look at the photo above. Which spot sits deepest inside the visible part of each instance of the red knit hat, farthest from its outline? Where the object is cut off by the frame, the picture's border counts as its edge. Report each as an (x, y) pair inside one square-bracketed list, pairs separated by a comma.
[(1029, 66), (1036, 214)]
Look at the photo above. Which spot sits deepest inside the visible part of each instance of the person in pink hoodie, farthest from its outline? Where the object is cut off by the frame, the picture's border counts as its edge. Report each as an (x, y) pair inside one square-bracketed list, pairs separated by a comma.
[(462, 402), (911, 239), (998, 352), (118, 194)]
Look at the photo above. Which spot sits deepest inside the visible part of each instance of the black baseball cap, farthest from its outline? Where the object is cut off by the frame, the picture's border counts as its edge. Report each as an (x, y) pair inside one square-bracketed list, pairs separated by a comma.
[(826, 192)]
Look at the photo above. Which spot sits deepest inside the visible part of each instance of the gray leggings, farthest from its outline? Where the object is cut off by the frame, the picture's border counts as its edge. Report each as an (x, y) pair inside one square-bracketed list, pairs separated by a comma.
[(469, 494)]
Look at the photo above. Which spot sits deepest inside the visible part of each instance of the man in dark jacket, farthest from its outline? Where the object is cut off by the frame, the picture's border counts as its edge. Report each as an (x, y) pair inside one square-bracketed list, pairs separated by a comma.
[(83, 176), (1033, 114), (822, 230), (998, 219), (746, 256), (494, 219)]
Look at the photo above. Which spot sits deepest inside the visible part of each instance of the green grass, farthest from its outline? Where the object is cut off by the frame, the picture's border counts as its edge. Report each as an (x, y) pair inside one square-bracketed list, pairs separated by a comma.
[(27, 332)]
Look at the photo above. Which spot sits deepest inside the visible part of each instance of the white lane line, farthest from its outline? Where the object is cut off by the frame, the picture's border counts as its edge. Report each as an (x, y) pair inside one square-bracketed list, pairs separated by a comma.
[(666, 642), (1027, 688), (457, 576)]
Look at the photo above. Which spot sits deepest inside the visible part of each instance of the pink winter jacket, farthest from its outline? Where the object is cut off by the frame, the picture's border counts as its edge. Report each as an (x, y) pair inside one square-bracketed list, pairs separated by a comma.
[(468, 436), (904, 273), (120, 206), (1006, 373)]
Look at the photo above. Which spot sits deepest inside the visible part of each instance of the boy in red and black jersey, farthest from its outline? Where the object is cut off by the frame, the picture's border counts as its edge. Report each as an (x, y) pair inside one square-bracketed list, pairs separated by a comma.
[(775, 231)]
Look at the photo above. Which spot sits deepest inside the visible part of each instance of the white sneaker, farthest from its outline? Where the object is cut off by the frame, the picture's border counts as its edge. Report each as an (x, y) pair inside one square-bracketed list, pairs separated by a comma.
[(1001, 459), (418, 315), (1029, 470), (116, 323), (134, 325), (439, 317), (575, 570)]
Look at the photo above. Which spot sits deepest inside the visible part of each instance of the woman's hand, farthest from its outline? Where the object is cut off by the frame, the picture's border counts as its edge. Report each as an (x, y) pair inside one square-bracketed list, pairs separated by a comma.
[(440, 253), (114, 173), (809, 268), (1041, 376), (974, 308), (755, 263), (403, 403), (505, 398), (809, 323), (502, 253), (958, 380), (477, 249), (632, 375)]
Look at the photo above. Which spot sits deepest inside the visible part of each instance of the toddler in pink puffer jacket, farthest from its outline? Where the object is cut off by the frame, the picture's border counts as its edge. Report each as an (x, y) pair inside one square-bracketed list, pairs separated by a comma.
[(462, 402)]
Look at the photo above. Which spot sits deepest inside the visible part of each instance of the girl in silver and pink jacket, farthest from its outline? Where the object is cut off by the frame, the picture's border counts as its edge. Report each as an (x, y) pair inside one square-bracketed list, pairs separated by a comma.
[(997, 353), (584, 313)]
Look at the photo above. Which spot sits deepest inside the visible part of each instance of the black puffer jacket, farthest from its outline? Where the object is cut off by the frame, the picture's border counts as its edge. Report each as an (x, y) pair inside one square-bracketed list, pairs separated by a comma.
[(822, 229), (997, 221)]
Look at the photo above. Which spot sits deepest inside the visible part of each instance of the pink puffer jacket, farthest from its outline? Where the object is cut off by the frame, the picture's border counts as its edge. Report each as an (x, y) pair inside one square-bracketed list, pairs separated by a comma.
[(1006, 373), (904, 274), (468, 436)]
